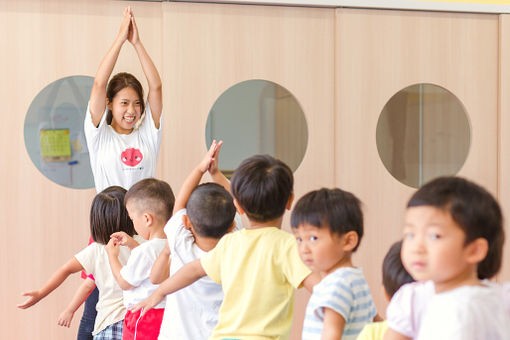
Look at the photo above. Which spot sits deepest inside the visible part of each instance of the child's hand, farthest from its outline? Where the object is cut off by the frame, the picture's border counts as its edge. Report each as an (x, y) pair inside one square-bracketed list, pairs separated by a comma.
[(208, 158), (65, 318), (133, 37), (213, 166), (112, 248), (33, 298), (147, 304), (124, 239)]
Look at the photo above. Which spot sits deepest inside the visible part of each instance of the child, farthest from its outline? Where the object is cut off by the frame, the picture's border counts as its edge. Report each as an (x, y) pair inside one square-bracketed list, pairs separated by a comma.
[(202, 215), (328, 225), (453, 237), (394, 276), (149, 204), (259, 266), (107, 216)]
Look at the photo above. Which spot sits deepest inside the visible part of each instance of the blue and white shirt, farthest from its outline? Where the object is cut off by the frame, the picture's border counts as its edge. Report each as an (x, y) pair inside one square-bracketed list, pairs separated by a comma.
[(346, 292)]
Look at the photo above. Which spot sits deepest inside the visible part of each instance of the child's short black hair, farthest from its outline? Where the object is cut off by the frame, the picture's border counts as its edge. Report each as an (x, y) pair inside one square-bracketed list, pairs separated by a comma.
[(262, 185), (153, 195), (473, 209), (338, 210), (394, 275), (108, 215), (211, 210)]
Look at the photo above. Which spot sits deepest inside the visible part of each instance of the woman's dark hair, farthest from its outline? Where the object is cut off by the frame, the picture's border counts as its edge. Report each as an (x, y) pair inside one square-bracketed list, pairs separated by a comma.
[(262, 186), (109, 215), (336, 209), (394, 275), (473, 209), (211, 210), (119, 82)]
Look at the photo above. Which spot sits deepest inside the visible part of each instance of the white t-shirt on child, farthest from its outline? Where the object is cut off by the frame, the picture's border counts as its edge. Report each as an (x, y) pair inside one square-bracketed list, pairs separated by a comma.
[(110, 307), (137, 272), (190, 313), (118, 159), (466, 313)]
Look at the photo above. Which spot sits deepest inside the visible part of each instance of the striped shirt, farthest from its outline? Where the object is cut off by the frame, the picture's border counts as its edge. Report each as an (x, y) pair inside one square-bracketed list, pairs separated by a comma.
[(346, 292)]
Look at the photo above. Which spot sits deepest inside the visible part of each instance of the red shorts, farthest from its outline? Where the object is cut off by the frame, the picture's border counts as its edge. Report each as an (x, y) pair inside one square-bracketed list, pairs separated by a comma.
[(147, 328)]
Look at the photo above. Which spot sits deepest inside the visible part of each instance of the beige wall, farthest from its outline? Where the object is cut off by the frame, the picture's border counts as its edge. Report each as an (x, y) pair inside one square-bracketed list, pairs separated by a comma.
[(342, 66)]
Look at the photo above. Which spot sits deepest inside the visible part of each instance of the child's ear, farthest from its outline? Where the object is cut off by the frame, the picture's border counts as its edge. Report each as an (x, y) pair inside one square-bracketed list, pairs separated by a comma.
[(186, 221), (477, 250), (350, 240), (289, 202), (148, 218), (238, 207)]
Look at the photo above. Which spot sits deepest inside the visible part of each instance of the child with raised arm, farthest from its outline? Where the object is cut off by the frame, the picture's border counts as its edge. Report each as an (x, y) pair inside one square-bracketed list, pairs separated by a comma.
[(202, 215), (259, 266), (149, 203), (328, 225), (107, 216), (453, 240), (394, 275)]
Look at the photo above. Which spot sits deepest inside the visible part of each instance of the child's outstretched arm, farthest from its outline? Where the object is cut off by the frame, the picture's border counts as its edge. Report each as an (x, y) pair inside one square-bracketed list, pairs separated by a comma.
[(155, 94), (161, 268), (112, 248), (97, 102), (189, 273), (194, 178), (72, 266), (394, 335), (218, 176), (81, 295), (311, 280)]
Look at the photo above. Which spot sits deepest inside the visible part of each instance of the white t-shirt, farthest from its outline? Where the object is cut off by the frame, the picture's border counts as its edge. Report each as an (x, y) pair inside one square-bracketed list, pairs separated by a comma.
[(110, 307), (466, 313), (190, 313), (346, 292), (118, 159), (407, 307), (137, 272)]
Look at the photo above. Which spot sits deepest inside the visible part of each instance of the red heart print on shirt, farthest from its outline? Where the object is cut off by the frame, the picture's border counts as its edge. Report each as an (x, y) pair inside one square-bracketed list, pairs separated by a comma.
[(131, 157)]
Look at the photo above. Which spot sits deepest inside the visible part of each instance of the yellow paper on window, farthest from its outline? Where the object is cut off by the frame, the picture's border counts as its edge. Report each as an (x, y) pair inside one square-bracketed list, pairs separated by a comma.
[(55, 145)]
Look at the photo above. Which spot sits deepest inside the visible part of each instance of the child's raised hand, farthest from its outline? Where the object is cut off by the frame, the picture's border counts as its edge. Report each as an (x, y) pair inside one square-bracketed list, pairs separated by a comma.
[(65, 319), (112, 248), (33, 298), (213, 167), (208, 158), (133, 36)]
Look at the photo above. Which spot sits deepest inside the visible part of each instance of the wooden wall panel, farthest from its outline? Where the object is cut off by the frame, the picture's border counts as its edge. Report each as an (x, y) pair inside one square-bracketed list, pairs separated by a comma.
[(209, 48), (378, 53), (44, 224)]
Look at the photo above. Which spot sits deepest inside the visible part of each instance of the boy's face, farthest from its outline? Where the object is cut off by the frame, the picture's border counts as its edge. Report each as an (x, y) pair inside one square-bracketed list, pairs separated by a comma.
[(138, 218), (320, 249), (433, 248)]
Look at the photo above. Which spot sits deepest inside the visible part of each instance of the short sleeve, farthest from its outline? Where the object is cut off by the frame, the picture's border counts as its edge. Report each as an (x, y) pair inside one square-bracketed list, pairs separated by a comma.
[(148, 129), (337, 296), (293, 267), (87, 257), (137, 269), (172, 226), (211, 261), (399, 311), (91, 131)]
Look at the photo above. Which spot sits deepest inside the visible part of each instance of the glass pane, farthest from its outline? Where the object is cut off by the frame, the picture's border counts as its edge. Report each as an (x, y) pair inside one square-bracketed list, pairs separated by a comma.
[(423, 132), (257, 117), (53, 131)]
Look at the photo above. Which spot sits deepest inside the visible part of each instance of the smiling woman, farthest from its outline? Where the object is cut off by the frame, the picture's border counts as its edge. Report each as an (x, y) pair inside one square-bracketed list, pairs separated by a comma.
[(123, 133)]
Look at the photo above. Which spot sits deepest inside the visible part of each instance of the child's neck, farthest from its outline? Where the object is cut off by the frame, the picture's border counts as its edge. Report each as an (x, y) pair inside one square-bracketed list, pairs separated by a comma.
[(345, 261), (205, 243), (277, 223), (466, 278), (157, 231)]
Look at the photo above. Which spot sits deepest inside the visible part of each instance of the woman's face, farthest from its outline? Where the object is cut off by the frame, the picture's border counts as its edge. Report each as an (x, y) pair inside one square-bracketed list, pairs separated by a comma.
[(126, 110)]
